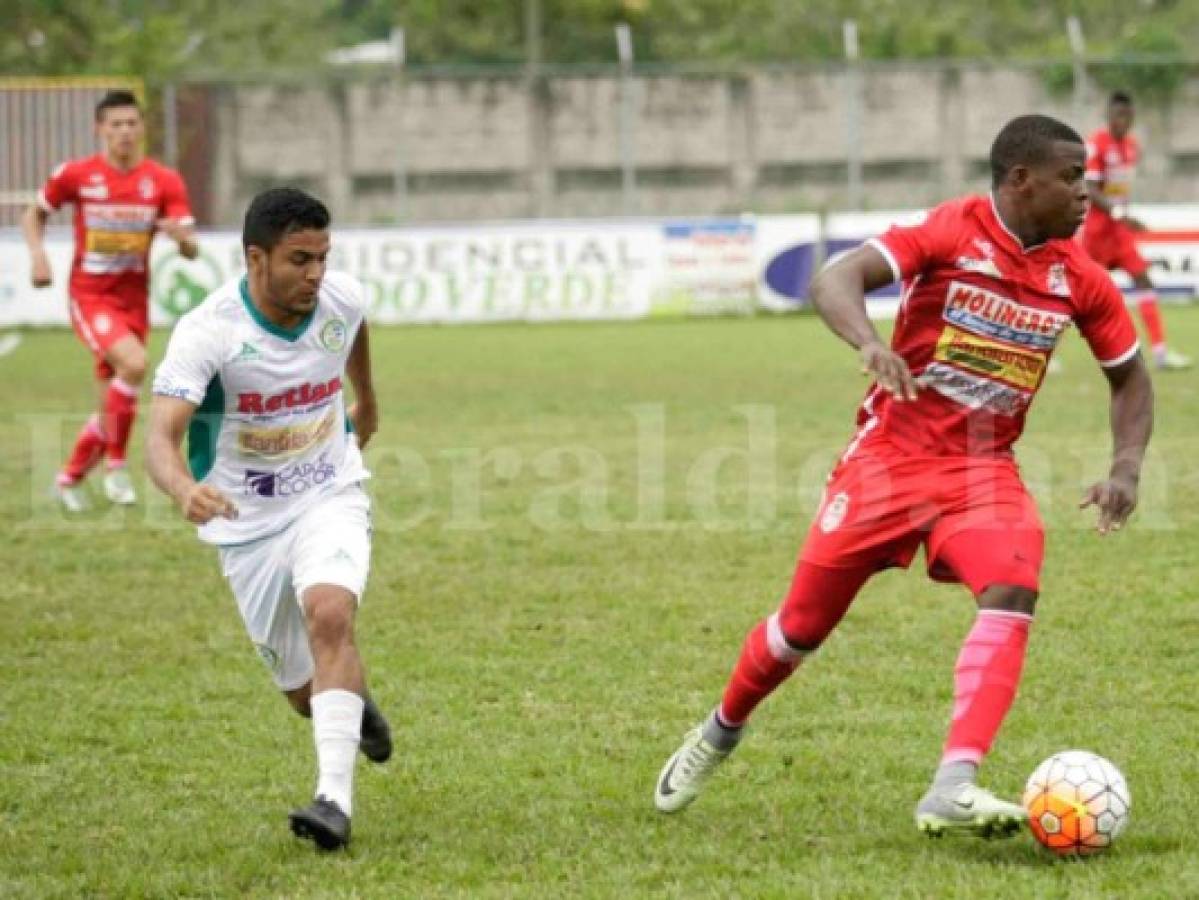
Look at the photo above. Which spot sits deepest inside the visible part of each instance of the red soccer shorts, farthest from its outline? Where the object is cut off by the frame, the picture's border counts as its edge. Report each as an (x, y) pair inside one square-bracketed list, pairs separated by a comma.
[(1113, 245), (99, 323), (977, 522)]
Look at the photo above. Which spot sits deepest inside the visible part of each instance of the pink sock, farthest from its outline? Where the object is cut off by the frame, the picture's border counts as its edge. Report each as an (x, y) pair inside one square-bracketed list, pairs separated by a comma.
[(985, 680), (765, 662), (120, 408), (88, 450)]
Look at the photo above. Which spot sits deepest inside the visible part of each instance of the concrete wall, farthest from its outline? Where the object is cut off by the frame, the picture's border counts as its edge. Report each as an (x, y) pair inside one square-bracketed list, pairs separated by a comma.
[(469, 148)]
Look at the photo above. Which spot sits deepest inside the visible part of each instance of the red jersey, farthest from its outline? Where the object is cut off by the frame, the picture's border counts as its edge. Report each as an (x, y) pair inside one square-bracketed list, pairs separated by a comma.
[(979, 318), (1112, 164), (115, 217)]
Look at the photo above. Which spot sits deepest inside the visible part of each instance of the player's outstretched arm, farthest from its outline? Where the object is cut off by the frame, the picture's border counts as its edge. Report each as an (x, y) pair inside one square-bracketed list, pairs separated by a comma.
[(839, 295), (33, 226), (364, 414), (169, 418), (1132, 425)]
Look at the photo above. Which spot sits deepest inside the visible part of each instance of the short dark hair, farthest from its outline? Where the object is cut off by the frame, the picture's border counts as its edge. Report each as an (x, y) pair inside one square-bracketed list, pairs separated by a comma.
[(1119, 97), (1027, 140), (277, 212), (115, 100)]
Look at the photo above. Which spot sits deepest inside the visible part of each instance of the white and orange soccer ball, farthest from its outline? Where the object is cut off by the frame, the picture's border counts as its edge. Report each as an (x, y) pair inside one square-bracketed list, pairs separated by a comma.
[(1077, 802)]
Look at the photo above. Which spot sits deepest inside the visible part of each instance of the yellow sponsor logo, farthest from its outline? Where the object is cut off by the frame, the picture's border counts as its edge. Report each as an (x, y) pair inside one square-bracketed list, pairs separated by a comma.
[(285, 441), (1020, 368), (114, 243)]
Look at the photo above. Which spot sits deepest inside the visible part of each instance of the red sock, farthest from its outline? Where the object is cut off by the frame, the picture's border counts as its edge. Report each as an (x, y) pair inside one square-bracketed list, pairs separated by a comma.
[(120, 409), (1151, 315), (766, 661), (984, 681), (88, 450)]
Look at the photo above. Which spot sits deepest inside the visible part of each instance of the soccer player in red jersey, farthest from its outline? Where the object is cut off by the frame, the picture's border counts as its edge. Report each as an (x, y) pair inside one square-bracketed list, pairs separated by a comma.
[(121, 199), (1109, 230), (991, 282)]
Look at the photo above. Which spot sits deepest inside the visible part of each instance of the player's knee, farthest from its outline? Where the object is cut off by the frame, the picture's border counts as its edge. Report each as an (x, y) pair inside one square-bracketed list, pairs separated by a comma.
[(1009, 598), (803, 631), (330, 616), (132, 368)]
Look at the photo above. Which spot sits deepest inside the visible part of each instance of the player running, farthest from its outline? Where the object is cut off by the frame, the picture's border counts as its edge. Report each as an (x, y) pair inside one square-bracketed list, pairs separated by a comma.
[(991, 282), (121, 199), (1109, 230), (254, 377)]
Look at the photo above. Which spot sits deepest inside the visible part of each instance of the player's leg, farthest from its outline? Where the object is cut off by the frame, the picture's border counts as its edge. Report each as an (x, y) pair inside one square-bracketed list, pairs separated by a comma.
[(865, 523), (127, 357), (331, 558), (772, 651), (1144, 295), (1000, 562), (90, 443)]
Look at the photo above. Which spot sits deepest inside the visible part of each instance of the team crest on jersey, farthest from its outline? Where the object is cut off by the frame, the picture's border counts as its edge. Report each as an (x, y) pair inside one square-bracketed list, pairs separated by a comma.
[(333, 335), (1057, 280), (145, 187), (834, 512)]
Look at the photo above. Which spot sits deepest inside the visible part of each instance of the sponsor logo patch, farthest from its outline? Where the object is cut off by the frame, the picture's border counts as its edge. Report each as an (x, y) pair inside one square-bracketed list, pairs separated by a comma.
[(253, 403), (992, 315), (285, 441), (290, 481), (974, 391), (967, 351)]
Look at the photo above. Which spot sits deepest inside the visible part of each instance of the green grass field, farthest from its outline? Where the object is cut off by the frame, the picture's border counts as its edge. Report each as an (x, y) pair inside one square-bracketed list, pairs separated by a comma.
[(575, 526)]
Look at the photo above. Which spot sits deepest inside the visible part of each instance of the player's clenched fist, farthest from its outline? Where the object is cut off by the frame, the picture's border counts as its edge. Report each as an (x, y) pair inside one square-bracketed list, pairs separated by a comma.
[(889, 368), (203, 503)]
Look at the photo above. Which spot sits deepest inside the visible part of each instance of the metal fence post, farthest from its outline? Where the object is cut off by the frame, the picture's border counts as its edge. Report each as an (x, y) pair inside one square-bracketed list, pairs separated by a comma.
[(627, 124)]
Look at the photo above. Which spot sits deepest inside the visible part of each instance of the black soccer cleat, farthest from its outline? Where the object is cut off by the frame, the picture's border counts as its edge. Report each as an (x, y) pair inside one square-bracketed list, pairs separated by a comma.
[(375, 741), (323, 823)]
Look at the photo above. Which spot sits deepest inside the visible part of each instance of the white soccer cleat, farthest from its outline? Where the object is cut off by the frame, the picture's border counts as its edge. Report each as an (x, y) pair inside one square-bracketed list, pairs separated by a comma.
[(118, 487), (968, 809), (686, 772), (72, 497), (1170, 361)]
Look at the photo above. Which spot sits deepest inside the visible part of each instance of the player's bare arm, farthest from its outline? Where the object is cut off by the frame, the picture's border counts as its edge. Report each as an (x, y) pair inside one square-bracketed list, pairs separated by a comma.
[(183, 234), (1132, 424), (839, 295), (33, 226), (364, 414), (200, 503)]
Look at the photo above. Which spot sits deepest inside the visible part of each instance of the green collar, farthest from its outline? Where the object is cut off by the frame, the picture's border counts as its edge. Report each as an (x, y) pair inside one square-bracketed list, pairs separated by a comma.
[(288, 334)]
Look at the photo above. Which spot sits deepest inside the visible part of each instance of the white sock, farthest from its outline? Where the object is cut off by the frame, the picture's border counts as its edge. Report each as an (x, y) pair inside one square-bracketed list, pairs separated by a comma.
[(336, 725)]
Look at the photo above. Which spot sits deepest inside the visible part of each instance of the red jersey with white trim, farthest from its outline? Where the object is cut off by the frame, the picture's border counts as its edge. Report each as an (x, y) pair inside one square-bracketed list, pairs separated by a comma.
[(116, 213), (979, 319), (1112, 164)]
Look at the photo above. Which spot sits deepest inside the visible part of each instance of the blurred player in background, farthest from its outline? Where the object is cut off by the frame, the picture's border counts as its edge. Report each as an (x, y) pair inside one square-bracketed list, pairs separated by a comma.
[(990, 285), (1109, 230), (121, 199), (253, 376)]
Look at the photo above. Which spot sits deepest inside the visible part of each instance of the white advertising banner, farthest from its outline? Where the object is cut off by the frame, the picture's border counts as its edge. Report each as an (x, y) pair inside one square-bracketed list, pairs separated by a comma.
[(554, 271)]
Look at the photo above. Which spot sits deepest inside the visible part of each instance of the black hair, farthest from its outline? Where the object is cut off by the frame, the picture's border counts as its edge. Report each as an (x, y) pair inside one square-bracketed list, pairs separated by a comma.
[(116, 100), (1120, 97), (1026, 141), (277, 212)]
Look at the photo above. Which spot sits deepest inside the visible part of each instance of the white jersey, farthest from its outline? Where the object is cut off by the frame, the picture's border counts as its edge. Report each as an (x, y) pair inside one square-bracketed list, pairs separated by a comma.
[(270, 429)]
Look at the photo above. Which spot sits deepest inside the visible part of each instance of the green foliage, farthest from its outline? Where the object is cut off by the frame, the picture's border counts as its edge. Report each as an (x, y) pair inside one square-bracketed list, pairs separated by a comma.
[(538, 677)]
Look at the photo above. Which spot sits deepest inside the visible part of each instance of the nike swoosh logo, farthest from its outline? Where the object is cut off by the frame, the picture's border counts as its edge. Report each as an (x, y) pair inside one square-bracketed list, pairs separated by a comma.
[(664, 787), (963, 804)]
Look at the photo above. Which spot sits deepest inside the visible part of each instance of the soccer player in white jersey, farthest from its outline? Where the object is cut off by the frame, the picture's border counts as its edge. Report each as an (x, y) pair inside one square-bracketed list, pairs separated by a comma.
[(273, 476)]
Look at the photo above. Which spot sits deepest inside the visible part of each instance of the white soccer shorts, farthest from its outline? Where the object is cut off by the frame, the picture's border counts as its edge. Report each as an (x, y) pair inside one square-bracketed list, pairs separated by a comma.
[(330, 543)]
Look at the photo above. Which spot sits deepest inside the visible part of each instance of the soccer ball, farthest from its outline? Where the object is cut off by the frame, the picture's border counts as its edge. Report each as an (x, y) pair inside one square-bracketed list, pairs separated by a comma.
[(1077, 802)]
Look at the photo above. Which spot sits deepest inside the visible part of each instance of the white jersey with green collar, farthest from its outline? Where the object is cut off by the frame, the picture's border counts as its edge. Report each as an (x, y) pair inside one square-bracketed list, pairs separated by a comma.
[(270, 429)]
